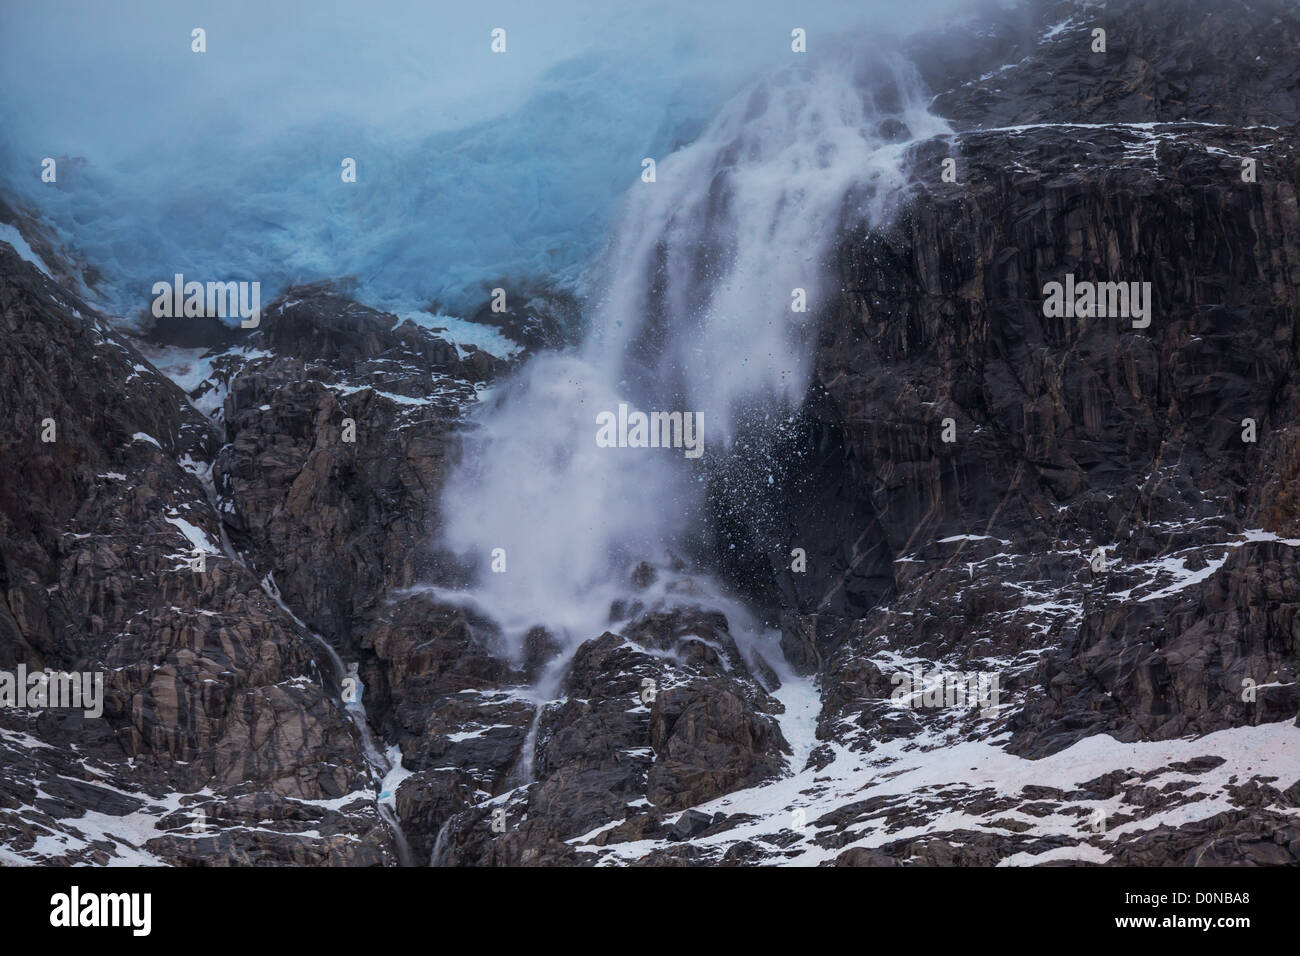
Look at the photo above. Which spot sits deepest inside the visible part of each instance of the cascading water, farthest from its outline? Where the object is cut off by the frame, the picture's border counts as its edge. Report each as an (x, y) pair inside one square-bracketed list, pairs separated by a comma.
[(381, 765), (693, 313)]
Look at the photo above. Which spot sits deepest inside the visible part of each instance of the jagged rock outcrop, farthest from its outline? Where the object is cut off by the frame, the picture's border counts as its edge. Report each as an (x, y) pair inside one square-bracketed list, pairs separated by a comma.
[(217, 713), (325, 480), (663, 718)]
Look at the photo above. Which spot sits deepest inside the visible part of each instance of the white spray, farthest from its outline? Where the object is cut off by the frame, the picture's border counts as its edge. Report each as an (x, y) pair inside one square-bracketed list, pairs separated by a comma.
[(693, 313)]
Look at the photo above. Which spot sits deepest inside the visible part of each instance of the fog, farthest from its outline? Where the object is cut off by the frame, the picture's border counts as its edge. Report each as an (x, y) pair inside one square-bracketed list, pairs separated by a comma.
[(473, 167)]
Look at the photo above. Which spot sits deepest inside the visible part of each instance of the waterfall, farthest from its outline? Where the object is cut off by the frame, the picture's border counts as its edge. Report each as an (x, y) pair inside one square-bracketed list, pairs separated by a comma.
[(691, 311), (379, 766)]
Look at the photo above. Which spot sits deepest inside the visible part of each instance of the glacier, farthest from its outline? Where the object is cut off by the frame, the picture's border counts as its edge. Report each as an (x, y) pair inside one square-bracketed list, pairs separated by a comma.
[(473, 170)]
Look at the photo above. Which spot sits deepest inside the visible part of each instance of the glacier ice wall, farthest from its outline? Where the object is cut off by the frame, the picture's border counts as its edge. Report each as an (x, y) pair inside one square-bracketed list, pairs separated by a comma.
[(473, 168)]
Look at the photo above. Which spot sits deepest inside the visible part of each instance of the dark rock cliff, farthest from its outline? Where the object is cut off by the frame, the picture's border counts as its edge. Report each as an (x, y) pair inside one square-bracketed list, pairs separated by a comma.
[(1078, 433)]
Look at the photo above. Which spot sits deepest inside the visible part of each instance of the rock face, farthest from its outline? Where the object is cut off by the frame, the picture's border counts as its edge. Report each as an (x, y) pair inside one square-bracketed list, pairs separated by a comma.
[(221, 736), (1082, 433), (1077, 434), (1166, 446), (658, 720), (1049, 609)]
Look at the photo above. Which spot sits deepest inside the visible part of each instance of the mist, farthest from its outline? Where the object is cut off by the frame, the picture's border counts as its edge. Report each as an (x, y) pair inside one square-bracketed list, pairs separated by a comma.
[(474, 168)]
